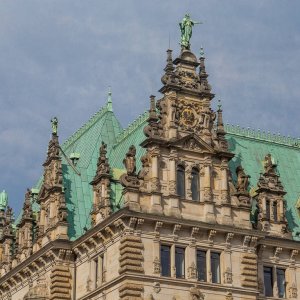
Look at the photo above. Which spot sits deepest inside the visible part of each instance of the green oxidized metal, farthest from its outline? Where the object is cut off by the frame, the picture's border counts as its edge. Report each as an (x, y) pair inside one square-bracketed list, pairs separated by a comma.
[(3, 200), (186, 28)]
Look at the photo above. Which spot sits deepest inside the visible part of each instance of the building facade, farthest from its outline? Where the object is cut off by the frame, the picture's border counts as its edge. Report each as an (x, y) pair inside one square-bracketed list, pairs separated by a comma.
[(174, 207)]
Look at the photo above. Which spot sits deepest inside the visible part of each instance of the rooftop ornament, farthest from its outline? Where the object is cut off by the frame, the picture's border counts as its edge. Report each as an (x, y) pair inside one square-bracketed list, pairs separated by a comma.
[(54, 124), (186, 28), (3, 200)]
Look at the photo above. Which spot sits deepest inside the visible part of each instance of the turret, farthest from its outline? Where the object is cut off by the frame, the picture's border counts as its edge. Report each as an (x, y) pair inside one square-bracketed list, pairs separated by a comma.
[(102, 207), (52, 220)]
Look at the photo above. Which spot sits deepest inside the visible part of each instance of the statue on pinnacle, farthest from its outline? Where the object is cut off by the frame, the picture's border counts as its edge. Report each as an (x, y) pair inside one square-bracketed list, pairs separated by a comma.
[(54, 125), (186, 28)]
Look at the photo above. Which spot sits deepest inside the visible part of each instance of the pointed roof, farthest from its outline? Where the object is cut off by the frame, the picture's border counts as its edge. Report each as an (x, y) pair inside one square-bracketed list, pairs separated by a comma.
[(103, 126)]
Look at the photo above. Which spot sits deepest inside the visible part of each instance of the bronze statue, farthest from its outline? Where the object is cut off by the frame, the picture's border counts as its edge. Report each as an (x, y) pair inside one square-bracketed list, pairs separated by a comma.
[(242, 180), (186, 28), (54, 124), (130, 161)]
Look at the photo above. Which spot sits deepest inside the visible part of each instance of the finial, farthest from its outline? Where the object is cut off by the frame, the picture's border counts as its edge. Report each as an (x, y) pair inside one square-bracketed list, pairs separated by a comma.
[(54, 124), (219, 105), (109, 100), (201, 52)]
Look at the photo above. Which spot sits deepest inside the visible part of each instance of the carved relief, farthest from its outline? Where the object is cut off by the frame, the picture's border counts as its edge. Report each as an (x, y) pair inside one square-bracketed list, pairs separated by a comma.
[(196, 294)]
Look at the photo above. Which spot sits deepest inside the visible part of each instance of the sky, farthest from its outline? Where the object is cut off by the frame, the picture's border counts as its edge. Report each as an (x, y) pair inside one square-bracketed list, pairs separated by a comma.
[(59, 57)]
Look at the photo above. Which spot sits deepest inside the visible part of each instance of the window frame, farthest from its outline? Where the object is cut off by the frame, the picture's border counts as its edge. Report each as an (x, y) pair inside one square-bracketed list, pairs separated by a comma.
[(197, 172), (161, 259), (219, 281), (205, 264), (180, 168), (183, 261)]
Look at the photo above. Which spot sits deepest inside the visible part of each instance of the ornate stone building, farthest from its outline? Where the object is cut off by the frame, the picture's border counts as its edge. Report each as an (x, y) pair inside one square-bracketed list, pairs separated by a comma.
[(177, 206)]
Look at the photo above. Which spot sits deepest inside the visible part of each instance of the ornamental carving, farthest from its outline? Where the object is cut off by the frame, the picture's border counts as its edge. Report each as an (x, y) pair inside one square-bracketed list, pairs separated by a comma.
[(192, 271), (196, 294), (228, 276), (156, 266)]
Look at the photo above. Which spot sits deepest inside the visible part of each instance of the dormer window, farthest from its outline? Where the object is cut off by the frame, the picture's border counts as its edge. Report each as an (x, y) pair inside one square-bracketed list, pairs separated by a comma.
[(195, 184), (181, 181)]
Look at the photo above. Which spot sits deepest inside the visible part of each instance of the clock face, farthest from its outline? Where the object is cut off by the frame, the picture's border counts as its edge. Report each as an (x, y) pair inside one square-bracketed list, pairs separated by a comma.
[(188, 117)]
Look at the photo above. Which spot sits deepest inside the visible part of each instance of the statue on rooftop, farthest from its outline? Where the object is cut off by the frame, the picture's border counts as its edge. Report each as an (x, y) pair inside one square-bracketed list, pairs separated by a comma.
[(54, 124), (130, 161), (186, 26), (242, 180)]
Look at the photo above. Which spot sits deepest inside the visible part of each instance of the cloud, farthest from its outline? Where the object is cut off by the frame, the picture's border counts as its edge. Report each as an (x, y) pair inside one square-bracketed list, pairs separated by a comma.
[(58, 57)]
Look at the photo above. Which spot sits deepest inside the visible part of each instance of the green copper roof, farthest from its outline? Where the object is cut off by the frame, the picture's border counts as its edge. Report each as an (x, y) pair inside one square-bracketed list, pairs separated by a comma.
[(249, 146), (3, 200)]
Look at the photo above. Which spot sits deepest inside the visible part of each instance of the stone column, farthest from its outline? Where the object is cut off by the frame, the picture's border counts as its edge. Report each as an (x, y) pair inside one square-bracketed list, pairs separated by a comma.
[(209, 214), (191, 264)]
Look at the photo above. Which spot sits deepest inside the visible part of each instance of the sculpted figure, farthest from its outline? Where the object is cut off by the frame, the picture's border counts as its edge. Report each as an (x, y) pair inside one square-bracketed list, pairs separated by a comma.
[(186, 28), (130, 161), (242, 180), (268, 165), (54, 124)]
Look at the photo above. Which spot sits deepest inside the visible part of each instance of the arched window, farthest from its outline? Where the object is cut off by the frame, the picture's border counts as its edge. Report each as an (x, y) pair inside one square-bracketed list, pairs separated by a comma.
[(180, 181), (275, 211), (195, 184)]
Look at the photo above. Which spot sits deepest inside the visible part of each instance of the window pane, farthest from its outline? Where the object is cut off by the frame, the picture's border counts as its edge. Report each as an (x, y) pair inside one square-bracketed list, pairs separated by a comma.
[(201, 265), (96, 272), (268, 210), (179, 262), (195, 184), (268, 281), (281, 282), (165, 260), (275, 211), (215, 267), (180, 182)]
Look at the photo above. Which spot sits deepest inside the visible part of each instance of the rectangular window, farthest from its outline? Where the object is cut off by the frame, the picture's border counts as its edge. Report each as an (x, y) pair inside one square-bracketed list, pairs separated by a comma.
[(281, 282), (215, 267), (268, 281), (268, 212), (201, 265), (165, 259), (179, 262), (96, 272)]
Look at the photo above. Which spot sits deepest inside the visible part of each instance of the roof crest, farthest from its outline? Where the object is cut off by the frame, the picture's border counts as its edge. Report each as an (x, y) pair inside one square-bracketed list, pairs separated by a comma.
[(262, 135), (77, 134), (132, 127)]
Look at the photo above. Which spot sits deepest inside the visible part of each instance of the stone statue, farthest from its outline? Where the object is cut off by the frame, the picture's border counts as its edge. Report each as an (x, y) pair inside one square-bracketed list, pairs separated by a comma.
[(186, 26), (268, 165), (130, 161), (54, 124), (242, 180)]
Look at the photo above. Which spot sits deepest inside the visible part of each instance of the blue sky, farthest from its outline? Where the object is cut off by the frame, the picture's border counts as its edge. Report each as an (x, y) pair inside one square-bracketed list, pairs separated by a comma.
[(58, 58)]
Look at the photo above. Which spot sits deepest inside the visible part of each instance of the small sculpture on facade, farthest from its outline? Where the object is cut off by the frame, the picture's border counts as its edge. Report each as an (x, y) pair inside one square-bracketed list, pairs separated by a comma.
[(269, 166), (130, 178), (196, 294), (186, 28), (242, 180), (130, 161), (54, 124)]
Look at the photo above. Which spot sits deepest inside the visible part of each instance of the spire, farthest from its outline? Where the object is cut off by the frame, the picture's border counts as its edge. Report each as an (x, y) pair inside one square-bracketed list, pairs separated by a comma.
[(220, 124), (153, 127), (109, 100), (3, 200), (27, 207), (202, 73), (103, 168), (168, 77)]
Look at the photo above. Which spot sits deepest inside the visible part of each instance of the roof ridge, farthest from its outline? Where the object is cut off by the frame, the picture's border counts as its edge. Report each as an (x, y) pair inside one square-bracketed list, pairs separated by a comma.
[(78, 133), (132, 127), (262, 135)]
